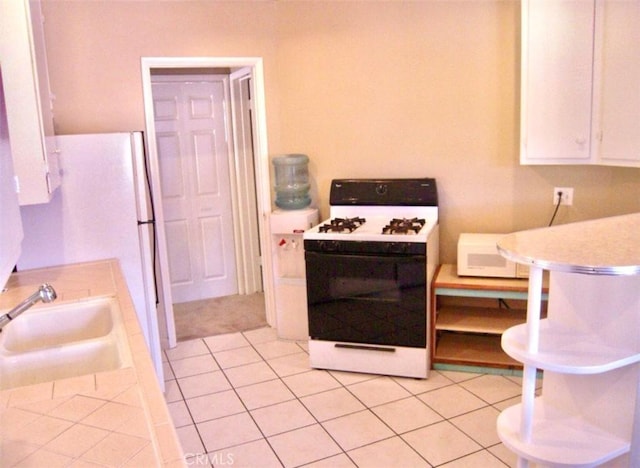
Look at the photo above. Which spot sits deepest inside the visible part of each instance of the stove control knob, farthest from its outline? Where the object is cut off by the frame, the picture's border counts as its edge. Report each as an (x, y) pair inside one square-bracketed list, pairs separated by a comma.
[(397, 248), (329, 246), (381, 189)]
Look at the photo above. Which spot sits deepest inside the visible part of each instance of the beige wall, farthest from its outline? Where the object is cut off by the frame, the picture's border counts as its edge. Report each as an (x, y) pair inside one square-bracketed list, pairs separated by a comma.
[(366, 89)]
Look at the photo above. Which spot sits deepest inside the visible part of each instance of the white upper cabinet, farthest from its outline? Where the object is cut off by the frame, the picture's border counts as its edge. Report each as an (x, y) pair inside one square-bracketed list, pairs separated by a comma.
[(618, 134), (580, 88), (557, 63), (28, 100), (10, 222)]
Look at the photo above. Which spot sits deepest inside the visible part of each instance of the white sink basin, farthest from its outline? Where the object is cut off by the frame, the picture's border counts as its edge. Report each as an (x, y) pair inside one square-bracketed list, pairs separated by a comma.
[(59, 324), (63, 340)]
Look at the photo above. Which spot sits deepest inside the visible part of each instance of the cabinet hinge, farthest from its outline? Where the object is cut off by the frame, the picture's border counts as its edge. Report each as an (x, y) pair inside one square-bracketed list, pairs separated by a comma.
[(16, 182)]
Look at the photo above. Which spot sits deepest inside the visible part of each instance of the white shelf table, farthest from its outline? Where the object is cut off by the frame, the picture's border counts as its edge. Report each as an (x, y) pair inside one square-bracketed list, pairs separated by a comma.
[(588, 345)]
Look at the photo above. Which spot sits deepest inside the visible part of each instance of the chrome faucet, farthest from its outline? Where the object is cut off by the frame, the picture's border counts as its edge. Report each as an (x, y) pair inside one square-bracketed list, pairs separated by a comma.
[(45, 293)]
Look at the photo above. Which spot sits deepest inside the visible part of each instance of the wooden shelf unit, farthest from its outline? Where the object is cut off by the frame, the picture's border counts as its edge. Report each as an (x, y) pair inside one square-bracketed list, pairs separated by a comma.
[(467, 321)]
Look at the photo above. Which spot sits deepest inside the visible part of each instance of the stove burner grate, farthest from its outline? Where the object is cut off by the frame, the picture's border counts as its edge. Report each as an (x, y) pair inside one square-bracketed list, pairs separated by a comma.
[(403, 226), (342, 225)]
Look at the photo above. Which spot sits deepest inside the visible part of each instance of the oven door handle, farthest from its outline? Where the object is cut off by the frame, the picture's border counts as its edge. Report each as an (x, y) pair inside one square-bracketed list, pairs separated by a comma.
[(365, 347)]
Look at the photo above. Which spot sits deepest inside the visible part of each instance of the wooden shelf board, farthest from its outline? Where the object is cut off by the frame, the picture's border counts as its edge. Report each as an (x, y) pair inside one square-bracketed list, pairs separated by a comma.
[(479, 319), (463, 348), (447, 277)]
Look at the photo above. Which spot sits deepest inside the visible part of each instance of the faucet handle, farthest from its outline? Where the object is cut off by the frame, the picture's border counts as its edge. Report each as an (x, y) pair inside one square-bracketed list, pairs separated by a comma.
[(47, 293)]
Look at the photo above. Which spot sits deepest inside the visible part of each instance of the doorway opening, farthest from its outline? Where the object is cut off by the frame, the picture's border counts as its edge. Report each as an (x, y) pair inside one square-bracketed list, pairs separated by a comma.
[(206, 139)]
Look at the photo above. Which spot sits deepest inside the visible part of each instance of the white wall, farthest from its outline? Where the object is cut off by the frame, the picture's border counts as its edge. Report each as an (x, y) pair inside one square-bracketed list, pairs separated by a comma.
[(385, 89)]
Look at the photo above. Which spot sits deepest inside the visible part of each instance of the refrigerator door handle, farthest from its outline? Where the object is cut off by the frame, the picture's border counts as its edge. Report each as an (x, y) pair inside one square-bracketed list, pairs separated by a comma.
[(148, 221)]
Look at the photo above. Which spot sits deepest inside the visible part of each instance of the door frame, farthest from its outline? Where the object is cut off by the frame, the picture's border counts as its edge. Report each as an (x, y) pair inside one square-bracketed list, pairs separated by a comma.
[(261, 165)]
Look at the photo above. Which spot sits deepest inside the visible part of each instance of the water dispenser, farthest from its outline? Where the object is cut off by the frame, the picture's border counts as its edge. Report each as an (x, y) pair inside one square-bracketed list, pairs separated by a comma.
[(292, 181), (290, 285)]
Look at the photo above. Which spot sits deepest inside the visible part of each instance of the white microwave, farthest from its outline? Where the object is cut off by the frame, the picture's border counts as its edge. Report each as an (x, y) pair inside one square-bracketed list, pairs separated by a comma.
[(478, 256)]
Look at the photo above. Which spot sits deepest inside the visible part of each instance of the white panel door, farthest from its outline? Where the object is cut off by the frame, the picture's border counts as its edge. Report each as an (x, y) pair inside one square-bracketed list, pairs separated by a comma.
[(196, 194)]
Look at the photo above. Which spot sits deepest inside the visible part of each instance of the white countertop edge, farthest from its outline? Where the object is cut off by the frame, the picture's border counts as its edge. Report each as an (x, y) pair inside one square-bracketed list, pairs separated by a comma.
[(604, 246), (619, 270)]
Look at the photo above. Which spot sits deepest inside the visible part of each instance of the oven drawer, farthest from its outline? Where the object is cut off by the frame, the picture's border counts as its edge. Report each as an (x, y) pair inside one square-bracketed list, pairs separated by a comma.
[(391, 360)]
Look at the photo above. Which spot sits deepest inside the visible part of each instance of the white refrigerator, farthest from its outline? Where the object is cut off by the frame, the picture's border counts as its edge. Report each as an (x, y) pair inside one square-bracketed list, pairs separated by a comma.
[(101, 210)]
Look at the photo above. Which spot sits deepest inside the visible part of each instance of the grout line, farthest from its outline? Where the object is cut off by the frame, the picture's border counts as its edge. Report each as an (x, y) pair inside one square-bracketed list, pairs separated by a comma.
[(341, 385)]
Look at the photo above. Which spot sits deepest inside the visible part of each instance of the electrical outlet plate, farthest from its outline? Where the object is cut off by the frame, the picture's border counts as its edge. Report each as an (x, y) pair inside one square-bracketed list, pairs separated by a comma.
[(567, 195)]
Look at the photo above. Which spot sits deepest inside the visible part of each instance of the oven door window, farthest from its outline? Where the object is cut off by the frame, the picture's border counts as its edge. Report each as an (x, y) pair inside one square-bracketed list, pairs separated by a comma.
[(367, 299)]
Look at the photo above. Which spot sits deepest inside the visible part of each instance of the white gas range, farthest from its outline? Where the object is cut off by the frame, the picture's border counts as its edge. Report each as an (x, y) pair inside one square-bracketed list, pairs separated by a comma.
[(368, 270), (376, 223)]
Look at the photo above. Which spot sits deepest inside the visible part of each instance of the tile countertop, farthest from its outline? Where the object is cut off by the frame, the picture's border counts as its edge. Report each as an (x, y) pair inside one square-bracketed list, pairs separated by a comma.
[(606, 246), (114, 418)]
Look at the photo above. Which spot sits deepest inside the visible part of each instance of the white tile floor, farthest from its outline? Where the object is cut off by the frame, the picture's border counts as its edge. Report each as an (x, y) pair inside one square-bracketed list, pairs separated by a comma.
[(249, 399)]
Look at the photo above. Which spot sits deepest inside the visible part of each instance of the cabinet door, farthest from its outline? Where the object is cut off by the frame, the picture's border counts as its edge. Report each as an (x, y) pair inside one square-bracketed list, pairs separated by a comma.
[(557, 64), (618, 120), (10, 222), (28, 111)]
